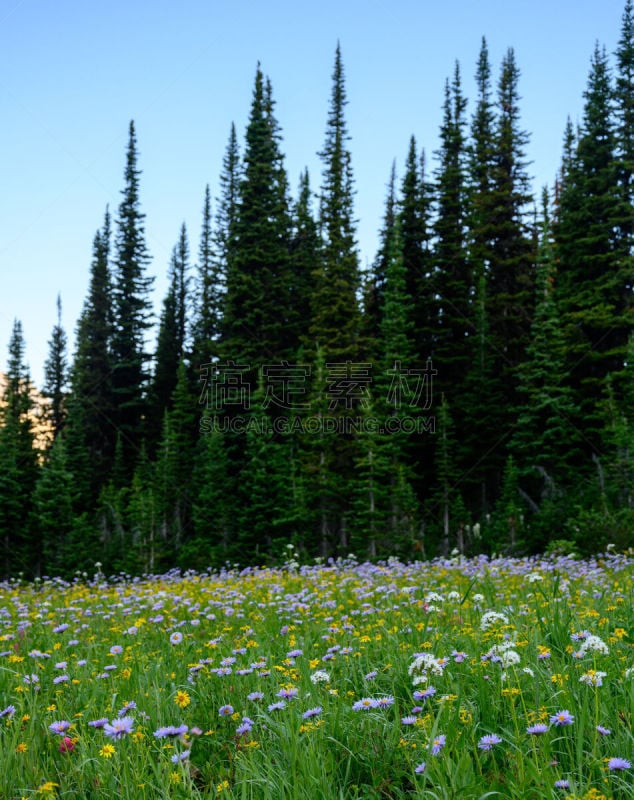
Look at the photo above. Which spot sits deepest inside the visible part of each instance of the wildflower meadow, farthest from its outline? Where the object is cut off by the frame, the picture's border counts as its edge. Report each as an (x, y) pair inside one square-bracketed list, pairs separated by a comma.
[(508, 678)]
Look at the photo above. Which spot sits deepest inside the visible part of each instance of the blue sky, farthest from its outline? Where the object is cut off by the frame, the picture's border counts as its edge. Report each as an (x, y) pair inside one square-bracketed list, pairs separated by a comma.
[(73, 73)]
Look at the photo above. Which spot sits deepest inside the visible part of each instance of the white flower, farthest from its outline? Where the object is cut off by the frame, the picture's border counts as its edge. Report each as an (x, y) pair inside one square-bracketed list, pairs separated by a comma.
[(596, 644), (533, 577), (528, 671), (320, 677), (593, 678), (510, 658), (433, 597), (629, 672), (490, 618), (453, 597), (478, 598)]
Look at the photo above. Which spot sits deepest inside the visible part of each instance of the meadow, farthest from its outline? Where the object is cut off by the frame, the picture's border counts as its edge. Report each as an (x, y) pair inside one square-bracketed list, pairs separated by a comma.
[(456, 678)]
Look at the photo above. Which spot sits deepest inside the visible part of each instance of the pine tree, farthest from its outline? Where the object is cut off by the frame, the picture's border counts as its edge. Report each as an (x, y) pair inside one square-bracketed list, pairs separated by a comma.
[(52, 516), (414, 215), (595, 278), (132, 308), (452, 280), (335, 316), (304, 252), (90, 426), (510, 281), (546, 438), (172, 337), (258, 276), (56, 375), (18, 461), (208, 294)]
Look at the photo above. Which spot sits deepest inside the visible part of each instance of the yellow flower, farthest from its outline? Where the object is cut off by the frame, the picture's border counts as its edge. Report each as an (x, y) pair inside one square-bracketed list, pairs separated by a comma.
[(182, 699), (222, 786), (175, 777), (21, 748), (107, 751), (47, 787)]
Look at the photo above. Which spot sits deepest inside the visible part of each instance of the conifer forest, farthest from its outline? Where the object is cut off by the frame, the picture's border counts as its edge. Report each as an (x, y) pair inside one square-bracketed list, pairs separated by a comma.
[(472, 391)]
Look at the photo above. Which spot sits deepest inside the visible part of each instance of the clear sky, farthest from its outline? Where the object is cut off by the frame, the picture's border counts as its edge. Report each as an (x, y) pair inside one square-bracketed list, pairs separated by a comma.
[(74, 72)]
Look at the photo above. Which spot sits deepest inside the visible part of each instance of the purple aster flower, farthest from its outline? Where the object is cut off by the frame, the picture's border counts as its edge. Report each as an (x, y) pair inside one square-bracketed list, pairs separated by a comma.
[(9, 711), (438, 744), (371, 675), (115, 650), (537, 729), (563, 784), (129, 706), (61, 628), (98, 723), (170, 730), (225, 711), (562, 718), (312, 712), (254, 696), (364, 704), (295, 654), (59, 727), (487, 742), (176, 637), (420, 768), (410, 720), (177, 758), (61, 679), (277, 706), (417, 709), (616, 764), (603, 731), (118, 728), (243, 728), (288, 694), (425, 694)]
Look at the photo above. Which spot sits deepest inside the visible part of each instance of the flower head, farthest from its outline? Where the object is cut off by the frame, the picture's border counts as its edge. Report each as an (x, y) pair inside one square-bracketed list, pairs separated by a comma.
[(537, 729), (562, 718), (420, 768), (119, 727), (487, 742), (616, 764), (225, 711), (438, 744), (59, 727)]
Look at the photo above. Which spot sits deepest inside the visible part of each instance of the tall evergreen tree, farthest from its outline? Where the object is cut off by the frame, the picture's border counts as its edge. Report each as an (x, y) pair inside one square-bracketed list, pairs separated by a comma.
[(18, 462), (452, 281), (56, 375), (90, 427), (208, 292), (595, 272), (335, 315), (304, 250), (132, 309), (258, 277)]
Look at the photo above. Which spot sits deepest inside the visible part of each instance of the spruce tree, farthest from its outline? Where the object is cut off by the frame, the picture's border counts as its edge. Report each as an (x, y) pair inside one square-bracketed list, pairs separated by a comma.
[(18, 462), (335, 316), (56, 375), (304, 253), (452, 280), (132, 309), (258, 269), (91, 426)]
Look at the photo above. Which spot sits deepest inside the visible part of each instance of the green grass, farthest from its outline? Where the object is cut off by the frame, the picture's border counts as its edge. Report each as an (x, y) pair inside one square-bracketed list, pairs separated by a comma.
[(154, 650)]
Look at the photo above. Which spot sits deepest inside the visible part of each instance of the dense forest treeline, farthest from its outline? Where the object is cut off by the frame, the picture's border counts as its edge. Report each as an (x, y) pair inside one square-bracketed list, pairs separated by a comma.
[(474, 389)]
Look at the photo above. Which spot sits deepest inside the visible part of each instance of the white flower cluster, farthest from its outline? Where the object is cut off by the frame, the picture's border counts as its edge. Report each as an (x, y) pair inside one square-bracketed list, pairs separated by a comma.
[(423, 664), (593, 678), (320, 677), (534, 577), (594, 644), (490, 618)]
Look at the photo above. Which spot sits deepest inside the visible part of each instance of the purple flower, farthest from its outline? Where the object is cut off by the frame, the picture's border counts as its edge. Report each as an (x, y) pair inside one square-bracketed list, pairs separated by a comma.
[(59, 727), (288, 694), (537, 729), (364, 704), (615, 764), (253, 696), (420, 768), (295, 654), (425, 694), (603, 731), (384, 702), (61, 628), (410, 720), (225, 711), (438, 744), (170, 730), (312, 712), (98, 723), (176, 637), (487, 742), (563, 784), (371, 675), (61, 679), (562, 718), (277, 706), (244, 727), (177, 758), (9, 711), (118, 728)]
